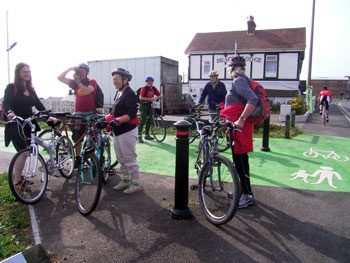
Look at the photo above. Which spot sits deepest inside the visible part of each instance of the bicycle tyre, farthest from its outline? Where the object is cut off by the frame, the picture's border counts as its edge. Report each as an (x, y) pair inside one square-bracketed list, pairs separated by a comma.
[(65, 156), (222, 144), (193, 130), (219, 204), (28, 193), (202, 157), (88, 184), (46, 136), (158, 128), (106, 159)]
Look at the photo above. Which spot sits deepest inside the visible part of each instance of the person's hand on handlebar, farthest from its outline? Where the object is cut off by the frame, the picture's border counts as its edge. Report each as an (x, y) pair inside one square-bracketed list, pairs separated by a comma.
[(10, 116), (55, 120)]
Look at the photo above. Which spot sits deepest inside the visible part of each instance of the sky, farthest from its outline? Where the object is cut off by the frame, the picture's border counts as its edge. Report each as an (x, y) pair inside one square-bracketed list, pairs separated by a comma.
[(52, 36)]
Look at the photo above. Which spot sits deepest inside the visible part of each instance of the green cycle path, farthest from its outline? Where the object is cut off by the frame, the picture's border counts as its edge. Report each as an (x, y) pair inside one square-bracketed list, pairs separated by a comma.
[(302, 211)]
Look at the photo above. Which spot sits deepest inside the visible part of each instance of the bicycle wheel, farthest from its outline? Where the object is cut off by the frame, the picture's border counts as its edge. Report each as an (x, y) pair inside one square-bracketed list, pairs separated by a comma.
[(193, 130), (202, 157), (222, 144), (88, 184), (219, 197), (28, 176), (65, 156), (106, 159), (46, 136), (158, 128)]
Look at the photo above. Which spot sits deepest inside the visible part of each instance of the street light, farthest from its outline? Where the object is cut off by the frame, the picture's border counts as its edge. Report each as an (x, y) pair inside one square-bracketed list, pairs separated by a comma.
[(8, 48)]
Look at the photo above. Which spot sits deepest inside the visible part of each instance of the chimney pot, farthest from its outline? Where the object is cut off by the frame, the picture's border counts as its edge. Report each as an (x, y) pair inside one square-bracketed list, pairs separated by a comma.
[(251, 26)]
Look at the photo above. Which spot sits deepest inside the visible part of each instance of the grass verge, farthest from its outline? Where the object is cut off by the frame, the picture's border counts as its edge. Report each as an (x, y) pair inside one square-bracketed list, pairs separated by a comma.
[(15, 230)]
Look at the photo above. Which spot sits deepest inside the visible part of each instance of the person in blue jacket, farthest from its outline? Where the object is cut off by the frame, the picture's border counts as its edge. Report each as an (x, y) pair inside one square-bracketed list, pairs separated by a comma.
[(215, 90)]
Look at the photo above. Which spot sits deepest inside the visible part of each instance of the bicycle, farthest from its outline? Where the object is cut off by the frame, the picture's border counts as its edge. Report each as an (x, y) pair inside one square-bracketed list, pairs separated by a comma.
[(28, 170), (158, 127), (324, 113), (197, 123), (218, 185), (90, 174), (104, 144)]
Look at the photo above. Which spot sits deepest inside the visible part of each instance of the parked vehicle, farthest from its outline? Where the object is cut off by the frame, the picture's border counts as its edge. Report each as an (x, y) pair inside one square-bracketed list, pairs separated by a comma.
[(163, 70), (188, 103)]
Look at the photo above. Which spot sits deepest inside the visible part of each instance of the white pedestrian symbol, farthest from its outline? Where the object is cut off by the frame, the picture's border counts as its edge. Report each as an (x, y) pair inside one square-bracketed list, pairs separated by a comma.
[(301, 174), (327, 173), (324, 173)]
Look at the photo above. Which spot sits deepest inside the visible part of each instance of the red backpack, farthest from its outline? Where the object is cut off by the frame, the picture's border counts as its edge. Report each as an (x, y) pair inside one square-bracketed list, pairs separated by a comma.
[(262, 109), (3, 115)]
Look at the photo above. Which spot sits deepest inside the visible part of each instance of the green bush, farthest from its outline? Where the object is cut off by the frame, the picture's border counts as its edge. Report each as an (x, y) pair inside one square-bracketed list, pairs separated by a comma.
[(299, 105), (275, 107)]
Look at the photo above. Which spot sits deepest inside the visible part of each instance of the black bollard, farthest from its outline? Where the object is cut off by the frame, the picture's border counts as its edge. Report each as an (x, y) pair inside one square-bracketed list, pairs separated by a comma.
[(181, 210), (287, 127), (266, 135)]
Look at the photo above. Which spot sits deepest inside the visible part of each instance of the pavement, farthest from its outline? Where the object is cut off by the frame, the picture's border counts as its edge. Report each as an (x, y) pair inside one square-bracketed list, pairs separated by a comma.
[(292, 221)]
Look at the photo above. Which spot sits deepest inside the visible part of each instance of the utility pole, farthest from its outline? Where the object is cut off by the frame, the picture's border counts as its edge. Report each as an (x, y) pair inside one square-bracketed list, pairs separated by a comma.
[(311, 44), (8, 48)]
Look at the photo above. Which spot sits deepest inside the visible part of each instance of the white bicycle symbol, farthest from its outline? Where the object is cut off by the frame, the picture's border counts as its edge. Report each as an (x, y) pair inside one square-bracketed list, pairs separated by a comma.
[(313, 153)]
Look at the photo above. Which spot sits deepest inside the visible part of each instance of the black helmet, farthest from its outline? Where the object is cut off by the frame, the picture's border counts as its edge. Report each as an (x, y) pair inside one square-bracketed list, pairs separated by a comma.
[(122, 72), (84, 66), (236, 61), (325, 87)]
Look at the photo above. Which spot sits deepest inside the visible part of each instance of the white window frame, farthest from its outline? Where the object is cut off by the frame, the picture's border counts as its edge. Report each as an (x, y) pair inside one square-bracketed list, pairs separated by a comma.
[(271, 66), (206, 67)]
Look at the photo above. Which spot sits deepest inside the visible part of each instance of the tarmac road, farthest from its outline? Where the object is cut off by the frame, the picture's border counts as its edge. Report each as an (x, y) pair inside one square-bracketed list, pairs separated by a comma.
[(286, 225)]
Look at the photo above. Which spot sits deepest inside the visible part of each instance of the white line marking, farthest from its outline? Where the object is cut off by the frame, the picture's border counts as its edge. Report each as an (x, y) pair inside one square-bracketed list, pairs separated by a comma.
[(343, 111), (35, 228)]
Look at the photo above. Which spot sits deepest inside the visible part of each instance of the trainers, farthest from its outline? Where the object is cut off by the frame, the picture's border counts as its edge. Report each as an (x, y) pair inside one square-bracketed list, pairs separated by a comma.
[(133, 188), (140, 139), (121, 186), (327, 120), (147, 137), (320, 112), (246, 200)]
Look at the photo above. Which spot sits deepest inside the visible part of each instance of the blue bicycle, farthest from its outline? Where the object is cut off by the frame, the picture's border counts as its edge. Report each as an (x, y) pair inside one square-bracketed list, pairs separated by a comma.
[(218, 185)]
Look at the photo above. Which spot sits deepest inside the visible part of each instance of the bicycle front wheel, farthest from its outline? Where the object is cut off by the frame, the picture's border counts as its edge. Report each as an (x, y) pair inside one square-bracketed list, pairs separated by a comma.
[(222, 140), (88, 184), (65, 156), (202, 156), (158, 128), (106, 159), (28, 176), (219, 190)]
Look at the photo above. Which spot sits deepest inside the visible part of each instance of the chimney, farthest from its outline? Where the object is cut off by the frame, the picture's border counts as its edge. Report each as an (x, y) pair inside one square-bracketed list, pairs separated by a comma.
[(251, 26)]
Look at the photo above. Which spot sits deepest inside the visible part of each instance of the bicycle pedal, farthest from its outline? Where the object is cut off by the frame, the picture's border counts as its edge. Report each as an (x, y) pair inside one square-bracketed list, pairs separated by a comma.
[(194, 187)]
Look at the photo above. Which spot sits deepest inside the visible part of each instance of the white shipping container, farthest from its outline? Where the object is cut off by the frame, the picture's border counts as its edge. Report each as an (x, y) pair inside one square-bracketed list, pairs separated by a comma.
[(163, 70)]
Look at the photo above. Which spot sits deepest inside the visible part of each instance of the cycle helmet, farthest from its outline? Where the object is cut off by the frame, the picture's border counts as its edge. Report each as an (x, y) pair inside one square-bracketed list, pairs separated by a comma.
[(236, 61), (84, 66), (213, 73), (149, 78), (325, 87), (122, 72)]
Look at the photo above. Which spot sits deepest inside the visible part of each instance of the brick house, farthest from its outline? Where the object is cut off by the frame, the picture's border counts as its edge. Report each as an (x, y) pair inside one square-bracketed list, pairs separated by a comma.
[(338, 86), (274, 58)]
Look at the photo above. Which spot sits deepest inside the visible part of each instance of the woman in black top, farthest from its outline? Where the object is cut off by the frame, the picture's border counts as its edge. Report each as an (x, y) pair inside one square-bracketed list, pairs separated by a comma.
[(124, 115), (18, 100)]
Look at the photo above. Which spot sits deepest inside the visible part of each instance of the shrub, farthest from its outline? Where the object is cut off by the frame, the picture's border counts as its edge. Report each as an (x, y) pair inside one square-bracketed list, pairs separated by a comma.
[(299, 105)]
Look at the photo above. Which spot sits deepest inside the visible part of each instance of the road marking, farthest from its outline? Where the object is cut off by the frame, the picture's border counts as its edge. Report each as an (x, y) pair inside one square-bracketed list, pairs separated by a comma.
[(344, 111), (35, 228)]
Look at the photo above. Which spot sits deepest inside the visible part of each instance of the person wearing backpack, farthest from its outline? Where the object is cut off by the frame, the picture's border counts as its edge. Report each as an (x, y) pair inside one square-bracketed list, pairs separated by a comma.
[(240, 102), (85, 91), (148, 95), (19, 99)]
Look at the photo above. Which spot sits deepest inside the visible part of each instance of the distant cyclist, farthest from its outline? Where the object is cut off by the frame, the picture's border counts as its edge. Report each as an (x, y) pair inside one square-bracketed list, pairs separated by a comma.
[(326, 98)]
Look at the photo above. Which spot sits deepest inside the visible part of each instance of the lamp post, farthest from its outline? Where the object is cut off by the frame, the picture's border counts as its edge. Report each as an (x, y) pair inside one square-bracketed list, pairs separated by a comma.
[(8, 48)]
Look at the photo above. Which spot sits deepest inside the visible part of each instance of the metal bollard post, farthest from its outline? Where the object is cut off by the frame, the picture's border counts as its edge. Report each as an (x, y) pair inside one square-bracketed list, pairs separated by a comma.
[(293, 113), (266, 135), (287, 127), (181, 210)]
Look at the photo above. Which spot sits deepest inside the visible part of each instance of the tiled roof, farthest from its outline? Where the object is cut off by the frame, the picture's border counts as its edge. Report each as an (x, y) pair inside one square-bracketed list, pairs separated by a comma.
[(263, 40)]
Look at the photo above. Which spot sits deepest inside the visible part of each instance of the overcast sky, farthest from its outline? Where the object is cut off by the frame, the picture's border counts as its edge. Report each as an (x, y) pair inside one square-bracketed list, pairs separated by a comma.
[(55, 35)]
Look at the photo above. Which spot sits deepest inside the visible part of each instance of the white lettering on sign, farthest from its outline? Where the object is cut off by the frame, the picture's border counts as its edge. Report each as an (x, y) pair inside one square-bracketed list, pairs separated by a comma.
[(247, 59)]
